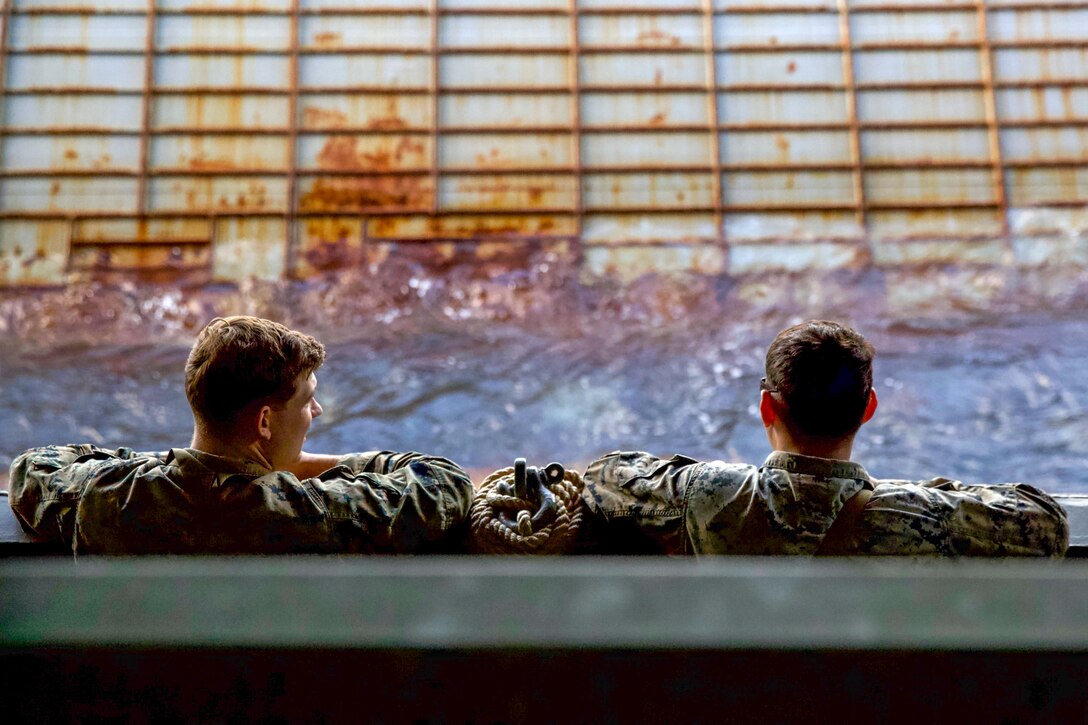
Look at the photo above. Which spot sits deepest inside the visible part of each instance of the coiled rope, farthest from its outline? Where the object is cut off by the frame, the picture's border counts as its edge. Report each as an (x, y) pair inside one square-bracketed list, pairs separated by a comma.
[(502, 523)]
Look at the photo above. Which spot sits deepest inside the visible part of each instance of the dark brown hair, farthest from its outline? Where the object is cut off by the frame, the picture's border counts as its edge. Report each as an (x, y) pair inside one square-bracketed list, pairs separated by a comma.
[(237, 362), (823, 372)]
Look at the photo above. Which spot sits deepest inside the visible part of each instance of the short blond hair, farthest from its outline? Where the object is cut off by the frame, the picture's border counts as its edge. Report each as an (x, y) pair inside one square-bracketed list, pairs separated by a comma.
[(238, 362)]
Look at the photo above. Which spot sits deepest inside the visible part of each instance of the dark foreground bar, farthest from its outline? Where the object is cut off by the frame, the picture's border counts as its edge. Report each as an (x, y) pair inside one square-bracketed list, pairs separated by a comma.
[(491, 640)]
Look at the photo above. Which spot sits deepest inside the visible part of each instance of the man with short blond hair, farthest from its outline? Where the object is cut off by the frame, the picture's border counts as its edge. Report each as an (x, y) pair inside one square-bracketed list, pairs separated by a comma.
[(245, 485), (808, 497)]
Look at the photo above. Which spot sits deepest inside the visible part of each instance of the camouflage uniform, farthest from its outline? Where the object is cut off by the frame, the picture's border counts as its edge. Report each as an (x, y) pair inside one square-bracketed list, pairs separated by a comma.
[(641, 503), (186, 501)]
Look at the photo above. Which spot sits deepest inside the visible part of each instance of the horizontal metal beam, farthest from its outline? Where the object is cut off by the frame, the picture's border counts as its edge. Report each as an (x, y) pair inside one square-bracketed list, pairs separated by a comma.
[(709, 604)]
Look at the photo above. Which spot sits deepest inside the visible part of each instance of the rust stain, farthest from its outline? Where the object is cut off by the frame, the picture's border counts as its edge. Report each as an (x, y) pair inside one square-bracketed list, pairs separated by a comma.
[(54, 188), (659, 77), (657, 38), (387, 123), (658, 119), (71, 154), (783, 145), (203, 163), (328, 39), (328, 244), (791, 67), (314, 117), (342, 153)]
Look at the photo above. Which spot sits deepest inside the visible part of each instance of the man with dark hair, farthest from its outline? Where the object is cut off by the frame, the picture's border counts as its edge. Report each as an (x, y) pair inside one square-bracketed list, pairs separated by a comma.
[(244, 485), (808, 497)]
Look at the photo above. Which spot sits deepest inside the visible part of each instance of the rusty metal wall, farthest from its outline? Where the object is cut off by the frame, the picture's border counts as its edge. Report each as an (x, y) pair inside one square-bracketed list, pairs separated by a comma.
[(220, 139)]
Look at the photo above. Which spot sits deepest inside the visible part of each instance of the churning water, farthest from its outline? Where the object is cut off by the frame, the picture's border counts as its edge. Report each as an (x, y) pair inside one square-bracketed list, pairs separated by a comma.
[(486, 369)]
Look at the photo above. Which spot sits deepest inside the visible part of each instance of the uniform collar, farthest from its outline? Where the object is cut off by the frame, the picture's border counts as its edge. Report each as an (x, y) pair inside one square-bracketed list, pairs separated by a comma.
[(218, 464), (818, 467)]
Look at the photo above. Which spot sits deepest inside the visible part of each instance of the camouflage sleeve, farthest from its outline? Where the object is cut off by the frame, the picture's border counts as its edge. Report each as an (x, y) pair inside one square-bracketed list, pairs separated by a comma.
[(636, 503), (47, 483), (946, 517), (400, 503)]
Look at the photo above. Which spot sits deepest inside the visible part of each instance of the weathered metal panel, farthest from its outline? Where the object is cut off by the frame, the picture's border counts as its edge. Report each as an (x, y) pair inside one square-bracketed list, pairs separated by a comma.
[(659, 110), (772, 28), (946, 223), (785, 147), (234, 111), (634, 107), (155, 259), (627, 264), (642, 69), (1053, 103), (781, 188), (387, 71), (506, 110), (1045, 24), (217, 194), (777, 68), (921, 105), (917, 25), (362, 152), (33, 252), (58, 71), (241, 32), (70, 153), (797, 225), (276, 6), (646, 148), (218, 71), (538, 150), (916, 66), (1029, 186), (929, 186), (221, 153), (76, 5), (120, 113), (619, 229), (508, 70), (664, 190), (65, 195), (1040, 64), (804, 257), (788, 106), (498, 31), (246, 248), (469, 226), (337, 32), (86, 32), (924, 146), (502, 192), (144, 230), (1045, 144), (641, 31)]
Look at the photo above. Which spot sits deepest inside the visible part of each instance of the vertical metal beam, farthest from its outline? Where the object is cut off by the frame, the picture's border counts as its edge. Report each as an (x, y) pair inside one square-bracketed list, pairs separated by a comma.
[(290, 218), (993, 132), (433, 90), (711, 73), (5, 17), (856, 161), (145, 111), (575, 82)]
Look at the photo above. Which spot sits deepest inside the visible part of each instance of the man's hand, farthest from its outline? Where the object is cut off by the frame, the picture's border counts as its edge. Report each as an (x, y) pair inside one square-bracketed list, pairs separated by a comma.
[(309, 465)]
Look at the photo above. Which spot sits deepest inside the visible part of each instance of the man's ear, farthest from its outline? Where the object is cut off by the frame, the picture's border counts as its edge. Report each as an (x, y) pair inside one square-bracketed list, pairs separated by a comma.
[(766, 408), (870, 407), (264, 422)]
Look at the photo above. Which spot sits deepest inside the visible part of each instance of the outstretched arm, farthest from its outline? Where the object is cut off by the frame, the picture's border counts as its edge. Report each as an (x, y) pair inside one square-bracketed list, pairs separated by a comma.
[(394, 502)]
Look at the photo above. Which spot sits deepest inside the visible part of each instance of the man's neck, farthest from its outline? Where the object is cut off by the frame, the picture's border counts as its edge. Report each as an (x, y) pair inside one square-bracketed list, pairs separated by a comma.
[(206, 443), (838, 449)]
